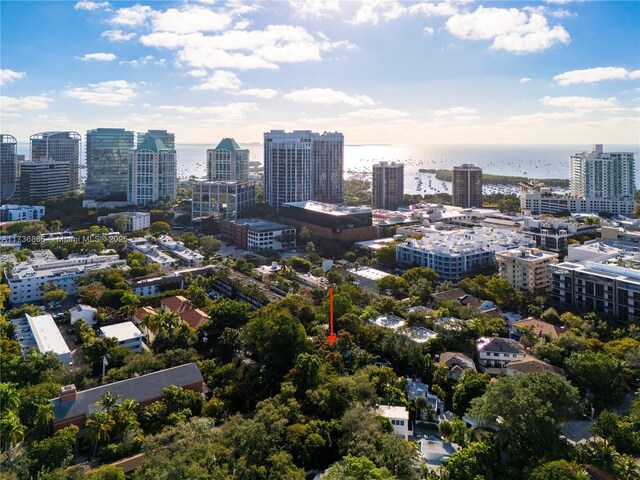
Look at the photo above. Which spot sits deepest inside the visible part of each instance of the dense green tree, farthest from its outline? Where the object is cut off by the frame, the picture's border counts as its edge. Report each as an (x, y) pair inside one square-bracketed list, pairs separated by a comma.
[(395, 286), (105, 472), (476, 461), (530, 409), (471, 385), (606, 378), (209, 246), (559, 470), (54, 452), (357, 468), (160, 228)]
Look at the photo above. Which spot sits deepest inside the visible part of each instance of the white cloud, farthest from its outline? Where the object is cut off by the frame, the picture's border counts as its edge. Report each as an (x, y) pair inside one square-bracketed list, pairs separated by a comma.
[(328, 96), (428, 31), (525, 80), (200, 72), (595, 75), (8, 76), (142, 61), (98, 57), (220, 80), (314, 8), (190, 19), (377, 114), (256, 92), (88, 5), (117, 35), (511, 30), (582, 103), (373, 12), (16, 104), (133, 16), (232, 112), (464, 111), (244, 49), (109, 93), (540, 118)]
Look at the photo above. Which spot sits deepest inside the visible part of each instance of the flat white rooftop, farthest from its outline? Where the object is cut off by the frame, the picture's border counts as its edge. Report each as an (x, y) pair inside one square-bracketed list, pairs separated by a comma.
[(369, 273), (46, 334), (391, 411), (122, 331)]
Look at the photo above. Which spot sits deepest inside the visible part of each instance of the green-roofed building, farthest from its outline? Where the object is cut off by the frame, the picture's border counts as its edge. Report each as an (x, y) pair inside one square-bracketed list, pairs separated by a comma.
[(228, 162), (152, 172), (168, 138)]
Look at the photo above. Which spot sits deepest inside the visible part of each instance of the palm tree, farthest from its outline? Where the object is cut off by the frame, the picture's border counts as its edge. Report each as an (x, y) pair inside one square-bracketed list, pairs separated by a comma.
[(11, 430), (9, 398), (108, 401), (627, 467), (44, 417), (98, 428), (161, 322)]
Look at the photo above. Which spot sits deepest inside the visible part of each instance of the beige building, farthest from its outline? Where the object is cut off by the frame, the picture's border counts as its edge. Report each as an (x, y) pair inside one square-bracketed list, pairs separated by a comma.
[(526, 269)]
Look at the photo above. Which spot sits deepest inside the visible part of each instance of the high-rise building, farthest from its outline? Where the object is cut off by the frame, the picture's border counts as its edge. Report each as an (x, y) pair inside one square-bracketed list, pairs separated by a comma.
[(42, 180), (467, 186), (303, 165), (228, 162), (287, 167), (388, 185), (152, 173), (221, 198), (527, 269), (60, 147), (168, 138), (603, 175), (8, 166), (108, 162), (327, 160)]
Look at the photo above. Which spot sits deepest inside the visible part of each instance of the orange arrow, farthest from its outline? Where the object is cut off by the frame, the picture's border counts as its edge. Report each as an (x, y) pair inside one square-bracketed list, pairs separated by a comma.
[(332, 336)]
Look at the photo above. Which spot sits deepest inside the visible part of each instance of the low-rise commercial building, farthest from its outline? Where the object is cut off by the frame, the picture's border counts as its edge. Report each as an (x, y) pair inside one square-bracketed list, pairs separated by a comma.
[(152, 252), (126, 333), (152, 284), (256, 234), (41, 332), (526, 269), (458, 253), (367, 277), (27, 279), (73, 407), (221, 199), (553, 234), (20, 213), (185, 255), (330, 221)]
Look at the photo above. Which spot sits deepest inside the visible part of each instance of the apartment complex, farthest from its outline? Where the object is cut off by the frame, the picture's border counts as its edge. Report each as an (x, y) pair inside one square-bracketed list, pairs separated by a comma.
[(41, 332), (608, 282), (228, 162), (8, 166), (151, 252), (108, 162), (600, 182), (132, 221), (467, 186), (388, 185), (152, 173), (27, 279), (303, 165), (527, 269), (554, 233), (60, 147), (20, 213), (222, 199), (185, 255), (43, 180), (458, 253)]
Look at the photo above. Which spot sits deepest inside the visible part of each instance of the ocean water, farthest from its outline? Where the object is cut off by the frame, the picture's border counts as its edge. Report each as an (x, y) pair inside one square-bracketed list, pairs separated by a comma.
[(533, 161)]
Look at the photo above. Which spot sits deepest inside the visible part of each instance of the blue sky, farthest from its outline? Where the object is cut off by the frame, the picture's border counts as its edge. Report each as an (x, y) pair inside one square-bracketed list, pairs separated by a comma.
[(380, 71)]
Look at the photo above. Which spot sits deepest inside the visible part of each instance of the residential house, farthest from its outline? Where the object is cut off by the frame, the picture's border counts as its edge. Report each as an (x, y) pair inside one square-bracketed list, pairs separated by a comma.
[(540, 328), (417, 389), (458, 295), (399, 417), (494, 353), (74, 407), (83, 312), (457, 363), (137, 317), (530, 364), (126, 333), (186, 310)]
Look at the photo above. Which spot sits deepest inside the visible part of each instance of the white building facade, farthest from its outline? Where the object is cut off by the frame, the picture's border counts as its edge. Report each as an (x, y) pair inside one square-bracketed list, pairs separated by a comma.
[(27, 279), (20, 213), (152, 173), (41, 332)]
